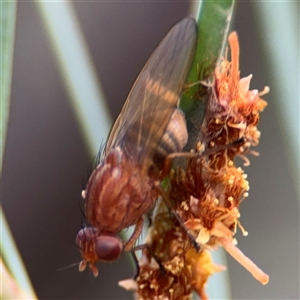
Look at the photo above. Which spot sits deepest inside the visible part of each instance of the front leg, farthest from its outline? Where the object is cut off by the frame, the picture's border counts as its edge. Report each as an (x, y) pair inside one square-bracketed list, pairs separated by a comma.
[(136, 233)]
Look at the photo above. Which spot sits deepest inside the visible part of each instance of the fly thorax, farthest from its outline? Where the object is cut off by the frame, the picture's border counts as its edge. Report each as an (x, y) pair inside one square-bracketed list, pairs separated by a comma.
[(106, 187)]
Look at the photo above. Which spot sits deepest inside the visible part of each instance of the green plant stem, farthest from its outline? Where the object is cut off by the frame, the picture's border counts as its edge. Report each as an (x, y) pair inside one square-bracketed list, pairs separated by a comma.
[(7, 38), (14, 279), (213, 22), (14, 264)]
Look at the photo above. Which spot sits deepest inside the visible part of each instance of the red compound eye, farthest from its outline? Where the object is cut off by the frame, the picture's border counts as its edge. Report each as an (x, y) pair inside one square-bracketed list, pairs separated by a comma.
[(108, 247)]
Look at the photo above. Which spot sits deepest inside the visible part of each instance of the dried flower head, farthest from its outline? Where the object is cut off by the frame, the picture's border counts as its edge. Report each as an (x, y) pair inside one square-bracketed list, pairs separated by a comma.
[(180, 263), (206, 194)]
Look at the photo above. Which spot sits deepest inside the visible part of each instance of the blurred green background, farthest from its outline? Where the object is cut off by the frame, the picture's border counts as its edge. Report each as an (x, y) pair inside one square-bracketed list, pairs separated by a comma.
[(46, 160)]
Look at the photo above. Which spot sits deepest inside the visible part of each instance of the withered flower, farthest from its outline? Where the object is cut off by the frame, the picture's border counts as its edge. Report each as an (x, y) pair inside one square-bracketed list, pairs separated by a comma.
[(205, 194), (180, 263)]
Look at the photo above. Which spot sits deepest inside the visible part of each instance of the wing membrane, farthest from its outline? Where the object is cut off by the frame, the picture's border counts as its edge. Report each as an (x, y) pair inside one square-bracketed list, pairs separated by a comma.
[(155, 94)]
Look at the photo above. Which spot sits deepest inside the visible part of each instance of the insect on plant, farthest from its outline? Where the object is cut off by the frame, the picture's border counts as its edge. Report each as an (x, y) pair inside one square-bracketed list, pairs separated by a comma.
[(150, 127)]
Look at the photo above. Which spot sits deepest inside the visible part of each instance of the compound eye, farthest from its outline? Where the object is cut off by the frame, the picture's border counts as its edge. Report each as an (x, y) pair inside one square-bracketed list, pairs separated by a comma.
[(108, 248)]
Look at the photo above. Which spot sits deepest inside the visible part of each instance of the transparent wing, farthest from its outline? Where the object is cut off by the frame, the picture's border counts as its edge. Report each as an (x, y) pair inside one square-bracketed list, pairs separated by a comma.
[(155, 94)]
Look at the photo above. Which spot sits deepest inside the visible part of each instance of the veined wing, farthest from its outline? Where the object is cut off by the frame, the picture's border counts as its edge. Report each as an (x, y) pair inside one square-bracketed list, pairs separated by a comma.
[(155, 94)]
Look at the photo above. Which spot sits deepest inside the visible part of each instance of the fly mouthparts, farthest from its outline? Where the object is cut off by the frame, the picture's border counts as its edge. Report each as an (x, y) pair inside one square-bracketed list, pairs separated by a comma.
[(94, 269)]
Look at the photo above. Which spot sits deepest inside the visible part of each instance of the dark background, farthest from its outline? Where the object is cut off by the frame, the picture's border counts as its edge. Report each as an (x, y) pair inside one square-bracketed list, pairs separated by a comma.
[(46, 160)]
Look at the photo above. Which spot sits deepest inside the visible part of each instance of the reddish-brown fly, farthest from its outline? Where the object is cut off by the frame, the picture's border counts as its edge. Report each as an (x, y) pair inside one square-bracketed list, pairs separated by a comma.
[(150, 127)]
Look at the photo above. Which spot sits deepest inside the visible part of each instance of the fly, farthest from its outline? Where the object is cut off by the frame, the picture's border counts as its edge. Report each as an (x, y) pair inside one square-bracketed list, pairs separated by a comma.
[(150, 127)]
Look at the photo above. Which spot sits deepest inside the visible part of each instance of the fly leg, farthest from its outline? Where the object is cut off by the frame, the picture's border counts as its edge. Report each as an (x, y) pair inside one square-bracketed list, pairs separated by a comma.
[(136, 233), (136, 262), (135, 259), (169, 159), (128, 246), (174, 213)]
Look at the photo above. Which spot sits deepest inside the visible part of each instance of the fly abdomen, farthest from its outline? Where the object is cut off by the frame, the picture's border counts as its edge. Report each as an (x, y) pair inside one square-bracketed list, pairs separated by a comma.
[(174, 139)]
